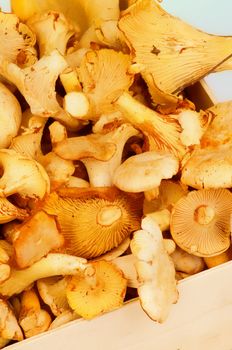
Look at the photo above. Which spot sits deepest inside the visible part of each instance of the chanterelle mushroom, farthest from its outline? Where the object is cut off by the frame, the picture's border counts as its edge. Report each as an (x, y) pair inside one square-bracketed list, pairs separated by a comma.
[(209, 167), (32, 318), (52, 30), (16, 39), (145, 171), (156, 273), (104, 75), (22, 175), (101, 172), (37, 85), (101, 218), (100, 288), (9, 328), (51, 265), (200, 222), (52, 290), (172, 53), (10, 116), (164, 132), (36, 237)]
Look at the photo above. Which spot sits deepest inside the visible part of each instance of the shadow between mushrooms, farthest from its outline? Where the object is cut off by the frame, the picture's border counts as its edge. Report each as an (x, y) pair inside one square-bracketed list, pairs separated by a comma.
[(200, 222), (94, 220)]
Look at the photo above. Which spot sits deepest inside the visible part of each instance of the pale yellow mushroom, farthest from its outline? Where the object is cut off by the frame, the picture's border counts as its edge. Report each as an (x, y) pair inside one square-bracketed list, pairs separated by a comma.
[(186, 262), (9, 328), (173, 53), (36, 237), (52, 291), (156, 273), (10, 116), (200, 222), (104, 76), (22, 175), (52, 265), (53, 31), (164, 132), (101, 173), (32, 318), (62, 319), (16, 40), (100, 288), (145, 171)]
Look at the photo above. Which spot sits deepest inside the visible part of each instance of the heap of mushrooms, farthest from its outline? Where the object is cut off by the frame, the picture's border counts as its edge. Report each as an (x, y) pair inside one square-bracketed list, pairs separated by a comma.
[(112, 184)]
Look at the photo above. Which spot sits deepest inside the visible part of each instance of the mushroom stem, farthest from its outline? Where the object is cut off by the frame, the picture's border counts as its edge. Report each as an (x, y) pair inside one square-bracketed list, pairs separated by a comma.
[(90, 276), (108, 215), (204, 214)]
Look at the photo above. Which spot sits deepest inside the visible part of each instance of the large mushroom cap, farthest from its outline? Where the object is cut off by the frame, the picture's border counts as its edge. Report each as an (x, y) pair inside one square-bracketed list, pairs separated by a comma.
[(92, 222), (200, 222), (99, 289), (145, 171), (173, 53), (209, 168)]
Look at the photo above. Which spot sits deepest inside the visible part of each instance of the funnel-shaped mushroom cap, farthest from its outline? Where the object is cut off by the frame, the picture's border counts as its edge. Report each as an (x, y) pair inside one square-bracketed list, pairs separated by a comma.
[(52, 30), (9, 212), (9, 328), (16, 39), (92, 222), (52, 290), (173, 54), (100, 288), (209, 168), (145, 171), (200, 222), (104, 75)]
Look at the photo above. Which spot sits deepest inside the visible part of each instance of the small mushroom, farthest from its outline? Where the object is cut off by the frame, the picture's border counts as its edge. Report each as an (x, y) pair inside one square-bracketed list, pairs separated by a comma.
[(104, 75), (187, 263), (100, 288), (52, 291), (161, 132), (101, 172), (36, 237), (10, 116), (200, 222), (62, 319), (209, 168), (22, 175), (156, 273), (16, 39), (9, 212), (32, 318), (99, 220), (9, 328), (169, 193), (53, 31), (145, 171), (52, 265)]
